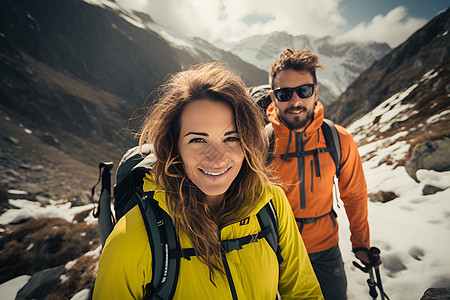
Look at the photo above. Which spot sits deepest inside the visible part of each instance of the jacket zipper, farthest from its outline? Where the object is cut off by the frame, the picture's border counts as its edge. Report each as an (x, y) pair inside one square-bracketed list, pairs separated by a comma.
[(229, 277), (300, 167)]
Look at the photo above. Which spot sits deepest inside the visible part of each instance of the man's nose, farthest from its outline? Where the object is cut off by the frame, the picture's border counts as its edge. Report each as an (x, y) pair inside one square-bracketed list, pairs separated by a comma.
[(295, 100)]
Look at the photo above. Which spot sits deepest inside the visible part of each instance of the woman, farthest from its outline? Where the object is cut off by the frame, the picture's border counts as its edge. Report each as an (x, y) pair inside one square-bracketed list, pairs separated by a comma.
[(209, 176)]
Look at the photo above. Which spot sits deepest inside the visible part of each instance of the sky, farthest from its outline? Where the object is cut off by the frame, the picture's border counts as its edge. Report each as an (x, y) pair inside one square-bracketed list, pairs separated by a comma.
[(390, 21)]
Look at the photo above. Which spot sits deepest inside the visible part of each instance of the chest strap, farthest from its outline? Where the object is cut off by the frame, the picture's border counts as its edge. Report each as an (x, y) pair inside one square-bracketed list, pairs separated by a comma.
[(227, 245), (304, 221)]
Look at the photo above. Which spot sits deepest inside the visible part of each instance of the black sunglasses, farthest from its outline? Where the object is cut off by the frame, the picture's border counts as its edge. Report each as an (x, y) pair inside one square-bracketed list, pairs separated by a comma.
[(303, 91)]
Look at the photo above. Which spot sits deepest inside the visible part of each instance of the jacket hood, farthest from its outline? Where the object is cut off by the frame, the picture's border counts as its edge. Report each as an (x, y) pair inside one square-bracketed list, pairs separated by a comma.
[(315, 124)]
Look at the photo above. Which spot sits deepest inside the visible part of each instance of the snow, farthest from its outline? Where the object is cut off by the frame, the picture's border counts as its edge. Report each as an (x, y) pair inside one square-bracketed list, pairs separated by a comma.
[(81, 295), (32, 209), (411, 231), (9, 289), (389, 111), (438, 117)]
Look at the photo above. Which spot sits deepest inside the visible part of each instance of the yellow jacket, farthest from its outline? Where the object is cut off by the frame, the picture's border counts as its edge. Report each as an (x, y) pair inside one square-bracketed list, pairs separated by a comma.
[(125, 263)]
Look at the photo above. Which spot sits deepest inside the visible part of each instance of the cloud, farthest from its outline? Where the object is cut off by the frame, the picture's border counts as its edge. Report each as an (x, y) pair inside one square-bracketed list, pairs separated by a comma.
[(231, 20), (391, 28)]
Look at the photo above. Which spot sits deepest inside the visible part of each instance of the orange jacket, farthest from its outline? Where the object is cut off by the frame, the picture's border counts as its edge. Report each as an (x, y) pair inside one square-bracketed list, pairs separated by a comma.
[(321, 234)]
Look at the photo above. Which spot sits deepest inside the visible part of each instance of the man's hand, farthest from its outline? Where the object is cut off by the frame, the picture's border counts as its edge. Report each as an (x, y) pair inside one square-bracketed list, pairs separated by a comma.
[(362, 254)]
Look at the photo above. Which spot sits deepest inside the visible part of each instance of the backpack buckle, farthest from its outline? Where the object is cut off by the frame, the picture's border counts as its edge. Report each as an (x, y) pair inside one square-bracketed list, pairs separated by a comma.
[(254, 238), (231, 245)]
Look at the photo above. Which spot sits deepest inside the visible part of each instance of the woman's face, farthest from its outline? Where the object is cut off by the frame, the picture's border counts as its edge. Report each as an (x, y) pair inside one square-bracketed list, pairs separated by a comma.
[(209, 147)]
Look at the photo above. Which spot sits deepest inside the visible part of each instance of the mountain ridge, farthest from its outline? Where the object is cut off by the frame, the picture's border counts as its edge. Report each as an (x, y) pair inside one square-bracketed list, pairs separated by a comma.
[(78, 76), (426, 49), (343, 60)]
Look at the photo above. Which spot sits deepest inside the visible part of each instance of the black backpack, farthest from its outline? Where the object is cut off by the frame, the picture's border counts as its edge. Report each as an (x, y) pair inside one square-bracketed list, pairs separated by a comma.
[(165, 248)]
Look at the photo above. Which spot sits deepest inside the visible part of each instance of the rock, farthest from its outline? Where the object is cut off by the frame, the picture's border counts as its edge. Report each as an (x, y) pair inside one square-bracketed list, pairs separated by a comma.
[(18, 194), (83, 198), (430, 155), (3, 195), (436, 294), (41, 284), (382, 196), (12, 140), (31, 167), (430, 190)]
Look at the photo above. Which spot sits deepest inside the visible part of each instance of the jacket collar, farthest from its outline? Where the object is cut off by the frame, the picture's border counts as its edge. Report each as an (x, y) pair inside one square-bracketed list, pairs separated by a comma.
[(160, 195)]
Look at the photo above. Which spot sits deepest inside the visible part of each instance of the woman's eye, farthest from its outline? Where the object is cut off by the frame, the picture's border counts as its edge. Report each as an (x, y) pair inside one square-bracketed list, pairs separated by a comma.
[(232, 139), (197, 140)]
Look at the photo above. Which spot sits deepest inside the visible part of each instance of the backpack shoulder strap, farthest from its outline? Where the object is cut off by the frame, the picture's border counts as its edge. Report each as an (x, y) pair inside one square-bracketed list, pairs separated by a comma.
[(162, 239), (267, 218), (103, 210), (333, 142), (130, 173)]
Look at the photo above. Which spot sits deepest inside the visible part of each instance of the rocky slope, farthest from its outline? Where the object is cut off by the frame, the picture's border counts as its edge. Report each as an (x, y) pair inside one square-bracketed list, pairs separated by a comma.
[(427, 49), (75, 76)]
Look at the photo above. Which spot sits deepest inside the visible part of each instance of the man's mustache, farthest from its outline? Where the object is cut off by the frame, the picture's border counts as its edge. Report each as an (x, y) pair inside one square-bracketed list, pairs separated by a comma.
[(296, 108)]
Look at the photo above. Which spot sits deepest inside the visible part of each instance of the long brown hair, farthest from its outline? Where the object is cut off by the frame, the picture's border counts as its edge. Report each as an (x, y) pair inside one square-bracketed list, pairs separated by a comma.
[(186, 203)]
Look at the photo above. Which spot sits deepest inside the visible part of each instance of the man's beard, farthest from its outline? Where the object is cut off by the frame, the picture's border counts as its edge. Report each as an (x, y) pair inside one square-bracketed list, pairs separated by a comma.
[(297, 123)]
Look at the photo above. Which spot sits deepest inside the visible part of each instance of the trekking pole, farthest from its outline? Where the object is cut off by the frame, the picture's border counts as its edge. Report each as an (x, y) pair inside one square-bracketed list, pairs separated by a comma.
[(374, 263), (374, 256)]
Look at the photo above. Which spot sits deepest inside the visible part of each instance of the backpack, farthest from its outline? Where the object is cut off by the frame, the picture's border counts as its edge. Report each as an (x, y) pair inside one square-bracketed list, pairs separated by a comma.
[(165, 248), (260, 95)]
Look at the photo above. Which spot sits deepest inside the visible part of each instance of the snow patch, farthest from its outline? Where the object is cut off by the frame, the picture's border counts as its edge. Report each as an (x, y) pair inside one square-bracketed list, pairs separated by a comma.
[(94, 253), (438, 117), (17, 192), (31, 209), (81, 295), (30, 247), (9, 289), (70, 264)]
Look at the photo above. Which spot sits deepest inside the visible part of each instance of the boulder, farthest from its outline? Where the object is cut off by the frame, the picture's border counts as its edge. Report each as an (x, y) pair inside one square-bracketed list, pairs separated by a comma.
[(41, 284), (429, 155), (436, 294), (83, 198), (430, 189), (382, 196)]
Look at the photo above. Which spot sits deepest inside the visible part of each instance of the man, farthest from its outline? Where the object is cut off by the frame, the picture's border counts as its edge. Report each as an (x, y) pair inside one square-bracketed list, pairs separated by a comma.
[(296, 116)]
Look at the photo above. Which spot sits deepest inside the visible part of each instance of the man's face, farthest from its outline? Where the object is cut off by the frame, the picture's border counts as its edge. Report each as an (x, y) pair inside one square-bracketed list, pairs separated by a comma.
[(297, 113)]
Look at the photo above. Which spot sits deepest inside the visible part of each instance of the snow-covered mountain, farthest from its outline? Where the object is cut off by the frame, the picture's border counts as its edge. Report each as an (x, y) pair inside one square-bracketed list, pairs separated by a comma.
[(344, 61)]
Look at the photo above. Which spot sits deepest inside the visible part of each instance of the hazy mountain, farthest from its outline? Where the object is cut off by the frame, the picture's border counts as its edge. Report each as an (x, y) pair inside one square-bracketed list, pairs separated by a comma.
[(344, 61), (74, 77)]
